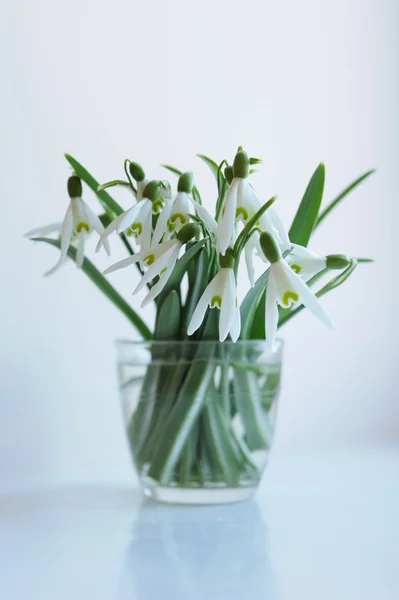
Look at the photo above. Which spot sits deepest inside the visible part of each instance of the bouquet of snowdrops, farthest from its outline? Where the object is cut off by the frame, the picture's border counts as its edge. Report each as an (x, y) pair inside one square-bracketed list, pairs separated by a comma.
[(169, 235)]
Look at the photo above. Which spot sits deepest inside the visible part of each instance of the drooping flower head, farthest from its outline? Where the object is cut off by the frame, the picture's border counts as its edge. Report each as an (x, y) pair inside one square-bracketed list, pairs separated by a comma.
[(220, 293), (241, 204), (137, 220), (160, 261), (79, 222), (176, 212), (286, 288)]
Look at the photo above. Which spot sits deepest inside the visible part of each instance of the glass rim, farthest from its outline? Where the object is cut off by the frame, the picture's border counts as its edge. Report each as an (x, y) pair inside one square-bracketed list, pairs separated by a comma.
[(119, 342)]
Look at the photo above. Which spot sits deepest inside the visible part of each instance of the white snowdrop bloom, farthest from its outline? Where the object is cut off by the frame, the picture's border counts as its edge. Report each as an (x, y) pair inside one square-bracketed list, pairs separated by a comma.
[(206, 217), (79, 222), (286, 288), (305, 263), (176, 212), (220, 293), (241, 204), (137, 220), (252, 246)]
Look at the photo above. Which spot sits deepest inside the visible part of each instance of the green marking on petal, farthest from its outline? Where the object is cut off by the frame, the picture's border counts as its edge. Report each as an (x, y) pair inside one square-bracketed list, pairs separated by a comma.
[(296, 268), (241, 213), (216, 302), (82, 225), (148, 260), (135, 229), (288, 295), (178, 217), (157, 206), (162, 271)]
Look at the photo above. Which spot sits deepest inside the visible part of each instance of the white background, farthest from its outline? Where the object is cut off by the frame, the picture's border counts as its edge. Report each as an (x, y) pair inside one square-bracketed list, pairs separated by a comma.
[(295, 82)]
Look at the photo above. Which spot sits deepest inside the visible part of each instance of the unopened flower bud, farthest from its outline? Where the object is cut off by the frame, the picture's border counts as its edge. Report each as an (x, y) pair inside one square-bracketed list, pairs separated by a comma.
[(270, 247), (136, 171), (186, 183), (74, 187)]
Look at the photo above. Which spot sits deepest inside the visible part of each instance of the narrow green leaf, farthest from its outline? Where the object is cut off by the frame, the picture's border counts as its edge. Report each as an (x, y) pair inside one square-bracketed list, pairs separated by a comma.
[(211, 164), (287, 314), (306, 216), (342, 195), (181, 266), (196, 194), (108, 203), (106, 288), (167, 325)]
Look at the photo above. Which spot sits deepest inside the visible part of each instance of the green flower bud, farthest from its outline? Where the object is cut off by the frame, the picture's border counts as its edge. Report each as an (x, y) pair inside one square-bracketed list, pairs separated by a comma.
[(152, 190), (136, 171), (228, 173), (188, 232), (227, 261), (337, 261), (269, 247), (186, 183), (74, 187), (241, 165)]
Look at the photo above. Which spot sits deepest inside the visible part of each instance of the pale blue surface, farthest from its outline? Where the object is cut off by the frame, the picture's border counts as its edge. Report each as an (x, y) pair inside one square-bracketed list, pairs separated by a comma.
[(321, 529)]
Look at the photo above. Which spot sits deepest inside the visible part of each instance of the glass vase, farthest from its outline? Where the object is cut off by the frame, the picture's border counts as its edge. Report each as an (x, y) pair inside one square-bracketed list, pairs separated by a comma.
[(199, 416)]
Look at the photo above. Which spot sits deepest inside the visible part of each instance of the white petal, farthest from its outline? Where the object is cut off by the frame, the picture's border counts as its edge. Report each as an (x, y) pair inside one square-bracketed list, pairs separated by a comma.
[(279, 226), (157, 288), (98, 227), (108, 230), (66, 232), (202, 306), (271, 314), (209, 221), (125, 263), (130, 215), (160, 263), (46, 229), (228, 304), (307, 297), (162, 222), (235, 328), (144, 239), (225, 229), (249, 256), (81, 248)]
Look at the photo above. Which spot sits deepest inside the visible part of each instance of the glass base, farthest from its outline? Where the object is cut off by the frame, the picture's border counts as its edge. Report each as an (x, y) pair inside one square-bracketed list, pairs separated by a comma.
[(194, 495)]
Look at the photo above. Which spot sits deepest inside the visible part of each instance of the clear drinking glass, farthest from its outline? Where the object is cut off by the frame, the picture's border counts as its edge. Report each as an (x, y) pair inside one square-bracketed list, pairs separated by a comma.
[(199, 416)]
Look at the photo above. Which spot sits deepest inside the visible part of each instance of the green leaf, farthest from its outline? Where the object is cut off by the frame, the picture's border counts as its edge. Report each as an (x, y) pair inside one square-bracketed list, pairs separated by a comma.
[(211, 164), (181, 266), (287, 314), (249, 305), (342, 195), (196, 194), (167, 325), (108, 203), (306, 216), (106, 288)]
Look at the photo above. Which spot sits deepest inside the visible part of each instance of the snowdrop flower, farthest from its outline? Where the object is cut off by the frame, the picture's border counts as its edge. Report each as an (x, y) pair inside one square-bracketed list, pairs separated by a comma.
[(241, 204), (160, 261), (285, 288), (252, 245), (221, 293), (307, 264), (78, 224), (176, 212), (137, 220)]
